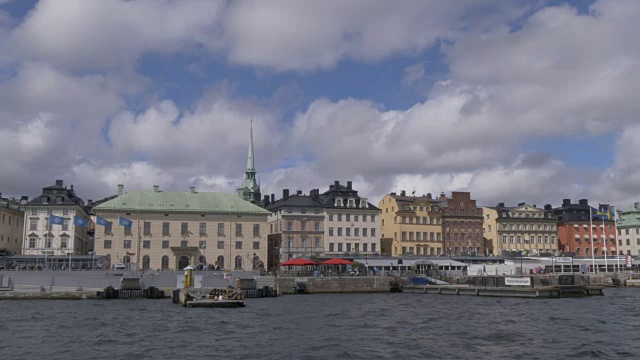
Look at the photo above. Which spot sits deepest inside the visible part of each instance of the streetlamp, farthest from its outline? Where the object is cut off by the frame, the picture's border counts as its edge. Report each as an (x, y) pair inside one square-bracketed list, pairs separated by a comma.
[(206, 266)]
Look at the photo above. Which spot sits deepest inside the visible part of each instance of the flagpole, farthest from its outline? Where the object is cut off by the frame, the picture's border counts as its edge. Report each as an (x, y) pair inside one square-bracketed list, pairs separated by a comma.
[(615, 220), (593, 242), (606, 268)]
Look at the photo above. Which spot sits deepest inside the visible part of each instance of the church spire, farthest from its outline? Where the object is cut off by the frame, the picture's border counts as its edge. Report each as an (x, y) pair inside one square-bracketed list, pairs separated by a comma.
[(250, 162)]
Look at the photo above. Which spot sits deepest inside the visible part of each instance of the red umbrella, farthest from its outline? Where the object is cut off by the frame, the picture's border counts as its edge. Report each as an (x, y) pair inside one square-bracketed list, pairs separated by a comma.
[(297, 262), (337, 261)]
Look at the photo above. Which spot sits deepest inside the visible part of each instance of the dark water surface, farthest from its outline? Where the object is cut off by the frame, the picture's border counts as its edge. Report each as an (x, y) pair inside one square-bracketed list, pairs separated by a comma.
[(348, 326)]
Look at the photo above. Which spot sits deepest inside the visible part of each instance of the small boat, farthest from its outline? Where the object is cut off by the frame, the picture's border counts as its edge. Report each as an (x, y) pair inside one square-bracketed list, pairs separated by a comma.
[(217, 298)]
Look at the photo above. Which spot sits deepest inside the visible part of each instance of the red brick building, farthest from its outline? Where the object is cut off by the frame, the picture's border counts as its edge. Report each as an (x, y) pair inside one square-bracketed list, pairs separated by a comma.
[(580, 236), (462, 225)]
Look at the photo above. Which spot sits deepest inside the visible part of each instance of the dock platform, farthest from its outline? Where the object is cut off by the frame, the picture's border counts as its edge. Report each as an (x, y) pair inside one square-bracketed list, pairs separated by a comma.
[(558, 291)]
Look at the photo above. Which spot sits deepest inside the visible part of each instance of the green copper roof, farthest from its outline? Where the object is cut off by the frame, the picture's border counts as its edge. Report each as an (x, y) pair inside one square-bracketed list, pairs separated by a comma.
[(181, 201), (629, 218)]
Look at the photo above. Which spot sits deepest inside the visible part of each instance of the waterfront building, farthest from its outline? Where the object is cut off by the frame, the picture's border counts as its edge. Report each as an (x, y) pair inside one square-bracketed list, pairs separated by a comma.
[(11, 225), (462, 225), (250, 189), (523, 230), (41, 237), (581, 236), (337, 222), (170, 230), (414, 224), (629, 230)]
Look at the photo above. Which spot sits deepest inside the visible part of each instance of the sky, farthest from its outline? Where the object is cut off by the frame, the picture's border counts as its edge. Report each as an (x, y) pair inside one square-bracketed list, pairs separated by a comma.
[(515, 101)]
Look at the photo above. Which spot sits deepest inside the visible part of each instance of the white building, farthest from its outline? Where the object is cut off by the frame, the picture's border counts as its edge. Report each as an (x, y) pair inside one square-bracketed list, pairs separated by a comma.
[(41, 238), (629, 230)]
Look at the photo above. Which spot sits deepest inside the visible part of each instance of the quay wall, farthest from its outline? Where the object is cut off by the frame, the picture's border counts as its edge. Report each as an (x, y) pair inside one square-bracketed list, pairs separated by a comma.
[(358, 284)]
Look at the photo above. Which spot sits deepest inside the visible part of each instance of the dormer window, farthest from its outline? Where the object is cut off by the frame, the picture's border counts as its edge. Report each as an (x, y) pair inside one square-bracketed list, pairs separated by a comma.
[(350, 202), (338, 202)]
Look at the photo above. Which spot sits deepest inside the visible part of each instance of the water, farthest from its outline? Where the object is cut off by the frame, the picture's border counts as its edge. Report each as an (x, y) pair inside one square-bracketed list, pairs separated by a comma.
[(340, 326)]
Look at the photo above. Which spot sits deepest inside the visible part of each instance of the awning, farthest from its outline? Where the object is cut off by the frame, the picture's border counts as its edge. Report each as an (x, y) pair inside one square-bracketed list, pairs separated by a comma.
[(337, 261), (297, 262)]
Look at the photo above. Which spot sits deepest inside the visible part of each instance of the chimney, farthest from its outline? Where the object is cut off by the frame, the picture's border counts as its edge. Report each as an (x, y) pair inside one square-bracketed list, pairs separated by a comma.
[(520, 204), (273, 198), (120, 189), (500, 205), (192, 189), (285, 194), (24, 199), (349, 185), (336, 184), (265, 202), (583, 202), (89, 202), (547, 207), (443, 196), (429, 196), (636, 205), (156, 188), (534, 205), (403, 193), (59, 183), (566, 202)]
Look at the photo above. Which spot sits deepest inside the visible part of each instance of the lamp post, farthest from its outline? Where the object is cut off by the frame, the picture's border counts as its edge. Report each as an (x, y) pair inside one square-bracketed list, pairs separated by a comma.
[(206, 266)]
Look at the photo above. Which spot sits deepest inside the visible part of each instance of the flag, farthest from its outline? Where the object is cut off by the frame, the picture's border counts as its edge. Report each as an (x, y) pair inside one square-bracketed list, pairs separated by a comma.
[(607, 214), (79, 221), (125, 222), (55, 220), (101, 221)]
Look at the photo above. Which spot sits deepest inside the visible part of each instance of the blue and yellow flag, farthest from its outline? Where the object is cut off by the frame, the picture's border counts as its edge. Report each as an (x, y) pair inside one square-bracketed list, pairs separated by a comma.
[(607, 214)]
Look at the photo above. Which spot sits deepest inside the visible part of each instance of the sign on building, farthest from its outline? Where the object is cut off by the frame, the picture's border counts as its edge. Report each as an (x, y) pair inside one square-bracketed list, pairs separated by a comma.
[(564, 260)]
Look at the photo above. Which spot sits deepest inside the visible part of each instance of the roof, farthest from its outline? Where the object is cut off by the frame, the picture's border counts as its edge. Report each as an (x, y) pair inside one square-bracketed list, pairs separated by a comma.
[(57, 195), (295, 200), (629, 218), (182, 202)]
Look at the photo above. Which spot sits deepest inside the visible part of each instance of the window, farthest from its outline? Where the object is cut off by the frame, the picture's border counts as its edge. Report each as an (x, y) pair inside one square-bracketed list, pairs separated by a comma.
[(364, 232), (373, 231), (373, 218), (65, 224), (147, 228), (411, 236), (184, 243), (404, 236), (146, 244), (504, 239), (48, 242), (165, 244), (202, 244), (203, 229), (33, 224), (373, 248), (34, 212), (106, 244), (220, 229), (63, 242), (339, 231), (356, 247), (289, 225), (256, 245), (165, 228), (331, 247), (303, 242), (511, 239), (339, 247), (316, 211), (347, 217), (348, 231), (127, 230), (356, 232), (404, 219), (553, 239), (330, 231), (220, 244), (238, 229), (303, 211), (330, 217), (127, 244), (339, 217), (348, 247), (238, 244), (107, 228), (303, 225), (316, 226), (519, 239), (184, 229), (364, 217), (350, 203), (256, 230)]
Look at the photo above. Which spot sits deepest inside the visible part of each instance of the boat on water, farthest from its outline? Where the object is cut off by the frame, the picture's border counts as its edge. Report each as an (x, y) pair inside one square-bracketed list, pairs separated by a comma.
[(216, 298)]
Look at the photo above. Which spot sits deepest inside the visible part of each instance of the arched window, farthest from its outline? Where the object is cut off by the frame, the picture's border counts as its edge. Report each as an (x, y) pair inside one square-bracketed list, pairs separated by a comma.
[(146, 261), (238, 262), (183, 262), (165, 262)]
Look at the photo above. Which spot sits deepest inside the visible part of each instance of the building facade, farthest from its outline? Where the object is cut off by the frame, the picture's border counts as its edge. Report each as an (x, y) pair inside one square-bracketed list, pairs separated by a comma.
[(250, 189), (582, 236), (43, 238), (462, 225), (521, 230), (413, 223), (351, 222), (171, 230), (629, 231), (11, 225), (337, 222)]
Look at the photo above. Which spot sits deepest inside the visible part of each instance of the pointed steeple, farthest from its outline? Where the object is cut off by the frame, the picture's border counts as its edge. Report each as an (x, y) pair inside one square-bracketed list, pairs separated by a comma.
[(250, 163), (250, 191)]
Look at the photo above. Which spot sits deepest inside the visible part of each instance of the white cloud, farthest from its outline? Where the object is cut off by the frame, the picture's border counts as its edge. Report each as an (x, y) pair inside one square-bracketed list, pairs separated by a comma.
[(413, 73)]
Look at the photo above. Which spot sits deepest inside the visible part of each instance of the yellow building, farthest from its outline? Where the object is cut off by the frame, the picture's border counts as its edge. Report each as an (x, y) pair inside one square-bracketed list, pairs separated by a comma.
[(11, 225), (413, 224)]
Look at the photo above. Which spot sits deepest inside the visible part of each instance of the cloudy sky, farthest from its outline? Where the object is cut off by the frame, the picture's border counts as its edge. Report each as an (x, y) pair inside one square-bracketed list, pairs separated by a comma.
[(514, 101)]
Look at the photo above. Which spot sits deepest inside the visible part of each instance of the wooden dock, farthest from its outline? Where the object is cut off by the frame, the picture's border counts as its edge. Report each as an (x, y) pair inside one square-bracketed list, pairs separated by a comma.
[(558, 291)]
